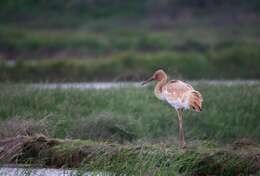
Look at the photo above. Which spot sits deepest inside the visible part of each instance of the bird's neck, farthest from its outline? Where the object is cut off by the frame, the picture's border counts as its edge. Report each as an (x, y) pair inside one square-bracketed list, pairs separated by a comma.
[(158, 88)]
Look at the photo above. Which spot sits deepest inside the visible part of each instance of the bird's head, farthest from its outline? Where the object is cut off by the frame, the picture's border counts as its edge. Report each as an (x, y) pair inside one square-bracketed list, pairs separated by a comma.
[(158, 76)]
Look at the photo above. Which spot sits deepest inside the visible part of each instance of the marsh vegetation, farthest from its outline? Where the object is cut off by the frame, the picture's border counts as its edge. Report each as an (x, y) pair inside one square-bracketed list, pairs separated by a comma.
[(119, 128), (133, 112)]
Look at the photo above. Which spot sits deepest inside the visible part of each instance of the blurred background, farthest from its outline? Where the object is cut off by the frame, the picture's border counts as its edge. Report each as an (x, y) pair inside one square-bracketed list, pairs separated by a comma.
[(126, 40)]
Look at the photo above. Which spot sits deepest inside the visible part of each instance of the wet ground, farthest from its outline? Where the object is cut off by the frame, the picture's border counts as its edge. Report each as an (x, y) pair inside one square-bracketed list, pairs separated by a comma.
[(107, 85)]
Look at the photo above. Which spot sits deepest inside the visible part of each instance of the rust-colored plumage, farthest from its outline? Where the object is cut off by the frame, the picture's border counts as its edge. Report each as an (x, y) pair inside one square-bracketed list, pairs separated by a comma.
[(179, 95)]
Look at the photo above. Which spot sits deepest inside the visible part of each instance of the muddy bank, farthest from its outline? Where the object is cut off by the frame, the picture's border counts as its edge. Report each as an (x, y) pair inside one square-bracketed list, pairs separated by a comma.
[(241, 157)]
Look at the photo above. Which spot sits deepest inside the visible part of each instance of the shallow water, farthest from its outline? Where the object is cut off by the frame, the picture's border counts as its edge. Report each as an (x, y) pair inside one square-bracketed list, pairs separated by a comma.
[(13, 171), (108, 85), (86, 85)]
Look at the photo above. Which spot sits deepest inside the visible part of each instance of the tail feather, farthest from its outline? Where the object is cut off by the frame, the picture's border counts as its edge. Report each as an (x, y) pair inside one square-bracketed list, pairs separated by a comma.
[(195, 100)]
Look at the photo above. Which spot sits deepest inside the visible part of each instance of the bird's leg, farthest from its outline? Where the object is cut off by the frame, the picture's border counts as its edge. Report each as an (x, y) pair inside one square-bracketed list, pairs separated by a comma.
[(181, 130)]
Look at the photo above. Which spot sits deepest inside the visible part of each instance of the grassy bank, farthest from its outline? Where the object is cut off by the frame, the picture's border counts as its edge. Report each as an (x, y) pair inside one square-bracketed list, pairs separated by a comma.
[(235, 62), (129, 114), (239, 158)]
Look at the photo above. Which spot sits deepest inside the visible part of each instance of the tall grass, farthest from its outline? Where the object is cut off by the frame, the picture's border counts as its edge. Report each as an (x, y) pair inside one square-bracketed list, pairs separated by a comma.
[(130, 114)]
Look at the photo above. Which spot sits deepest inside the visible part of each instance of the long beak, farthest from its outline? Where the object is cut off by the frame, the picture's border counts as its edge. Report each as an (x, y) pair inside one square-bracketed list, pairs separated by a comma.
[(147, 81)]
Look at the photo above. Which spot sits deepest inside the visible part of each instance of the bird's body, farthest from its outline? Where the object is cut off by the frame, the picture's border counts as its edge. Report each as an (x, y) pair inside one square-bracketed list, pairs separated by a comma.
[(178, 94)]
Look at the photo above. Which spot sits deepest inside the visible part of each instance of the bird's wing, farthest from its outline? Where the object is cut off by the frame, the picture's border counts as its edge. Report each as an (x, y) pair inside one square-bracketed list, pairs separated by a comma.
[(183, 92), (176, 89), (194, 100)]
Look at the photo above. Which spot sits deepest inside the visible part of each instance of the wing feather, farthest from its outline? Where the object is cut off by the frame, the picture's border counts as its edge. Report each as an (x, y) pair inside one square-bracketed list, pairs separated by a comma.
[(179, 90)]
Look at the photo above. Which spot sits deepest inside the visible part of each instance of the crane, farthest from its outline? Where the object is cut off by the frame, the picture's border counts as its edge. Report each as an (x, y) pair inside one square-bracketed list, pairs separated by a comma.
[(179, 95)]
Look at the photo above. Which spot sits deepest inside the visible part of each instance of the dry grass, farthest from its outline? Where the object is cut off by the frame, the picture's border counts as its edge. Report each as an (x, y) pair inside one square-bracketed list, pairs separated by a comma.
[(16, 126), (239, 158), (101, 127)]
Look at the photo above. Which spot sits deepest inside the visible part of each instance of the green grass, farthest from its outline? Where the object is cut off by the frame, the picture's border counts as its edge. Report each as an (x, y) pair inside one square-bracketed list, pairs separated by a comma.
[(236, 62), (131, 114)]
